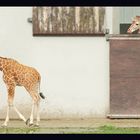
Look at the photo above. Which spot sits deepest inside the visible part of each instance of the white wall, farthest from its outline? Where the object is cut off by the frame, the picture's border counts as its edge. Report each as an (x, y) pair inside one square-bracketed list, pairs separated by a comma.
[(74, 70)]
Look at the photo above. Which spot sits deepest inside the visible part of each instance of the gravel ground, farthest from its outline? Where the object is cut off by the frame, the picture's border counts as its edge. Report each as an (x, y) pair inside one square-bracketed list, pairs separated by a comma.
[(68, 125), (72, 122)]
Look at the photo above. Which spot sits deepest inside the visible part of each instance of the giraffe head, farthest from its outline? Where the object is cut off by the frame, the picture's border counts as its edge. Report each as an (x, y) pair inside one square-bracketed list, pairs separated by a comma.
[(135, 25)]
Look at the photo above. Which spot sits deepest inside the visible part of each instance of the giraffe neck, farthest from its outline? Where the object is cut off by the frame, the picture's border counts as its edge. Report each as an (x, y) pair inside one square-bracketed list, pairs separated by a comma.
[(2, 63)]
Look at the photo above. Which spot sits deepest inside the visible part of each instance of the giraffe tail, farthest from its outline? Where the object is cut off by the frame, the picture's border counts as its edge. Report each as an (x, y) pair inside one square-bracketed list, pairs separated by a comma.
[(40, 93)]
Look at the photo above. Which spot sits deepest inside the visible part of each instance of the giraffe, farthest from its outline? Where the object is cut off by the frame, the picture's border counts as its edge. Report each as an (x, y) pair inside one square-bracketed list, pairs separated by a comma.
[(17, 74), (135, 25)]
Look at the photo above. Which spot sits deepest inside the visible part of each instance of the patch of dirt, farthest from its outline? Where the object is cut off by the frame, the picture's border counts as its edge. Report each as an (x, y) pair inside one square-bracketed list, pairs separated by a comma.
[(72, 122)]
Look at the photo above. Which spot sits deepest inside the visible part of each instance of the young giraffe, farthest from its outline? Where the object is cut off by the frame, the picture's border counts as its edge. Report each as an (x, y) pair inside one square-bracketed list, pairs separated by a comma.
[(135, 25), (16, 74)]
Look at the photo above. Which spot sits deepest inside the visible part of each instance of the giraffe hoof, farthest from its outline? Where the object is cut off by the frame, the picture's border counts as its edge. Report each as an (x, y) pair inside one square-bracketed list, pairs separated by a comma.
[(4, 125), (36, 125), (31, 124), (27, 121)]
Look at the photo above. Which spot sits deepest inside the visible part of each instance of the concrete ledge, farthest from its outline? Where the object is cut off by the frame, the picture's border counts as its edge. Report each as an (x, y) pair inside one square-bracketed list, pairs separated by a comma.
[(123, 116)]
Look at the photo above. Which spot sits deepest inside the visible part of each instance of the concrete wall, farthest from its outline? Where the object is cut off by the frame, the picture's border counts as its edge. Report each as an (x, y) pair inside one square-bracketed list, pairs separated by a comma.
[(74, 70)]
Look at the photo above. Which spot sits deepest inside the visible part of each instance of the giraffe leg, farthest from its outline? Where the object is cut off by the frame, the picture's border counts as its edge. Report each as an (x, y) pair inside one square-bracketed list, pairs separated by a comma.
[(11, 90), (36, 100), (33, 91), (19, 114), (7, 117), (38, 113), (32, 114)]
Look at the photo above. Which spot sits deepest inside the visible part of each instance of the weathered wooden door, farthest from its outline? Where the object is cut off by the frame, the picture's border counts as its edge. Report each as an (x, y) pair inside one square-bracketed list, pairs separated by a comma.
[(124, 77)]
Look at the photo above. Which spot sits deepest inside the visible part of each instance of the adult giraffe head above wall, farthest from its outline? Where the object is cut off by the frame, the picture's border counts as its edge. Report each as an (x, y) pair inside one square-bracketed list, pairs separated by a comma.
[(135, 25)]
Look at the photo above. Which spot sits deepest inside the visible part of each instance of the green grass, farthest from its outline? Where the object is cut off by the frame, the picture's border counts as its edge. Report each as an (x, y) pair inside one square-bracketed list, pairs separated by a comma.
[(109, 129), (106, 129)]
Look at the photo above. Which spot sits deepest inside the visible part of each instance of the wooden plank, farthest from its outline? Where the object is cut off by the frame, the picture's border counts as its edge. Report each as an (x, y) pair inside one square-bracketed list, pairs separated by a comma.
[(68, 20)]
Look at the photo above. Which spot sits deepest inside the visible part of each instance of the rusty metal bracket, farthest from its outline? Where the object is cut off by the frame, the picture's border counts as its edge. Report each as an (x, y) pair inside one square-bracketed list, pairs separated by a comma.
[(107, 34), (29, 20)]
